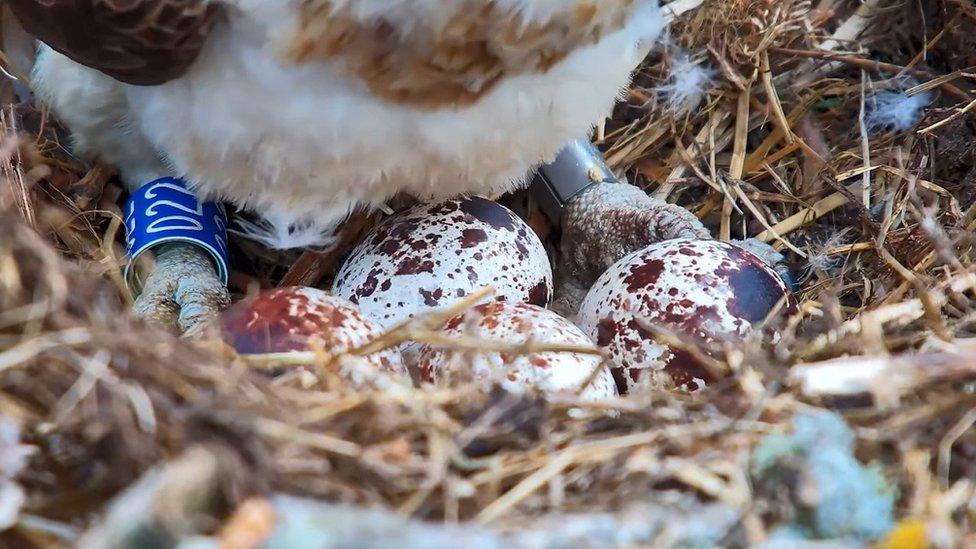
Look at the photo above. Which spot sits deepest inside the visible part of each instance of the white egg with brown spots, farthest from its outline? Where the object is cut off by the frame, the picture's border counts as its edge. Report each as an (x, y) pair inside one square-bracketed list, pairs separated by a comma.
[(431, 256), (515, 324), (709, 292), (301, 319)]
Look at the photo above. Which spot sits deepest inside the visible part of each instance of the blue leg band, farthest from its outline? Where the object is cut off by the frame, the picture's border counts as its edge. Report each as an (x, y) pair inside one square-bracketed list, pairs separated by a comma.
[(165, 211)]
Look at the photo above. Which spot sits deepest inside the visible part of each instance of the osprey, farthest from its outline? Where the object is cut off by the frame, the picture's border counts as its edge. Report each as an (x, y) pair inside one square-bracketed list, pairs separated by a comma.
[(304, 110)]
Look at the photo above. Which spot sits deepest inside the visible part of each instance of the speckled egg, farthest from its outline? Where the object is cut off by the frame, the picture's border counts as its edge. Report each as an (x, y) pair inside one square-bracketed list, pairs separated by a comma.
[(710, 291), (516, 324), (301, 319), (430, 256)]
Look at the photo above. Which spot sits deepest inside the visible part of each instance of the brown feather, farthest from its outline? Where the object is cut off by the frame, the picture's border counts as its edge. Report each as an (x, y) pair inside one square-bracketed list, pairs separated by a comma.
[(456, 63), (142, 42)]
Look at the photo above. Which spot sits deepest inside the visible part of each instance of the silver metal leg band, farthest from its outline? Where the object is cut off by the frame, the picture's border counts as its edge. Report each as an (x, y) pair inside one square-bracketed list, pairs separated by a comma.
[(577, 167)]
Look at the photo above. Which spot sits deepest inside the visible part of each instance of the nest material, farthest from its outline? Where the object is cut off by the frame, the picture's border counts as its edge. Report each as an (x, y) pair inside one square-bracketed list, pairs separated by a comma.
[(879, 224)]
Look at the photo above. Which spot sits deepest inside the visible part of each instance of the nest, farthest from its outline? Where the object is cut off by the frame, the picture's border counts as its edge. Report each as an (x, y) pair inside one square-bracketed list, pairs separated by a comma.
[(783, 135)]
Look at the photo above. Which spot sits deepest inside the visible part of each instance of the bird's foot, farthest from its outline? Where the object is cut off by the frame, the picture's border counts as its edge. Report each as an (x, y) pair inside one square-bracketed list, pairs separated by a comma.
[(183, 290), (606, 222), (610, 220)]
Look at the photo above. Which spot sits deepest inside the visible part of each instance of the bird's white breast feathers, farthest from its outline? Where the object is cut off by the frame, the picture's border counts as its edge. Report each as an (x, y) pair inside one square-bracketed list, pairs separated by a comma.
[(303, 141)]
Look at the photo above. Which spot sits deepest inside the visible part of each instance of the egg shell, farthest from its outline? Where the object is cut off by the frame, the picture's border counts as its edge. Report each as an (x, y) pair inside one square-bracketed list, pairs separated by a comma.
[(517, 323), (710, 291), (430, 256), (300, 318)]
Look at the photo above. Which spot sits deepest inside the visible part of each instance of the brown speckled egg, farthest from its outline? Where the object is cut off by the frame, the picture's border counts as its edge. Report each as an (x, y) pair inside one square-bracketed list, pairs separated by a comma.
[(710, 291), (301, 319), (515, 324), (430, 256)]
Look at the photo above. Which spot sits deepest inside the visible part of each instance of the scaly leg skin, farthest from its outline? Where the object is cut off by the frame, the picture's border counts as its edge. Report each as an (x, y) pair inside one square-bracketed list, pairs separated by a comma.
[(183, 290), (609, 220)]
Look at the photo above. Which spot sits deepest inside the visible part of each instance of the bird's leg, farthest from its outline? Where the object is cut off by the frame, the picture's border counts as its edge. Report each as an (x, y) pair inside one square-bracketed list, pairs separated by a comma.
[(163, 217), (604, 219), (609, 220), (183, 290), (186, 287)]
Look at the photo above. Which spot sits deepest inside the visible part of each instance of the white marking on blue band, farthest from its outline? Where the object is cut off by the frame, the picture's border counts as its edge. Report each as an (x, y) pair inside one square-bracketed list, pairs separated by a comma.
[(166, 211)]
